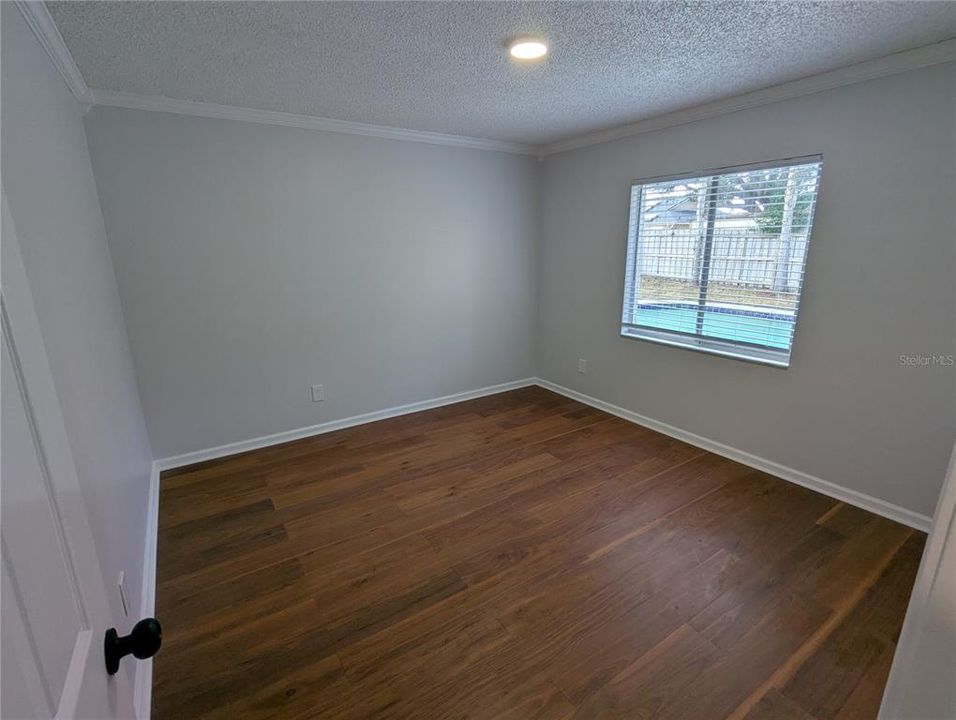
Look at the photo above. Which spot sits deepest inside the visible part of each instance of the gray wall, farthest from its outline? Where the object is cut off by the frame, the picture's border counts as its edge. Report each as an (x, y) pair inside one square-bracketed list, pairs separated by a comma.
[(53, 202), (254, 261), (879, 283)]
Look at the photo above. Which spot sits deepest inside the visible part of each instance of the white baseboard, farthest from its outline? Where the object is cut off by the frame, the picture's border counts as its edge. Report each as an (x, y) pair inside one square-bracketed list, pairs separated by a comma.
[(838, 492), (326, 427), (144, 670), (143, 684)]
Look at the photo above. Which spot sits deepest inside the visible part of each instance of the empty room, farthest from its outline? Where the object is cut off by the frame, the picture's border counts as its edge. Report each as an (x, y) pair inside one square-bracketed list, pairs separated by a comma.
[(478, 360)]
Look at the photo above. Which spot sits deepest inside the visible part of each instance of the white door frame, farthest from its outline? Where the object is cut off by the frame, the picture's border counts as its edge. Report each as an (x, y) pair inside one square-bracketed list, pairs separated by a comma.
[(908, 685)]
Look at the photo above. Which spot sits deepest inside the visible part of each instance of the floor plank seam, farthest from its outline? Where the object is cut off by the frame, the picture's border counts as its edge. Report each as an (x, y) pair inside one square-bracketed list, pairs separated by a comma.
[(792, 665), (520, 555)]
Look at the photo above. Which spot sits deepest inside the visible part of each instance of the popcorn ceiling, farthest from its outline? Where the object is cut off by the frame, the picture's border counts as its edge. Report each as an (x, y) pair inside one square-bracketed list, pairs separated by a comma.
[(443, 66)]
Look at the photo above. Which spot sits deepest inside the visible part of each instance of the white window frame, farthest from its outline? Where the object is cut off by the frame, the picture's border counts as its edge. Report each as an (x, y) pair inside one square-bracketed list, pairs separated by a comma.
[(673, 338)]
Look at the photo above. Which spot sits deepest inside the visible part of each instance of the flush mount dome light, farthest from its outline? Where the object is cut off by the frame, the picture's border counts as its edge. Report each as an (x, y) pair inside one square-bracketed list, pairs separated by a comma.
[(528, 49)]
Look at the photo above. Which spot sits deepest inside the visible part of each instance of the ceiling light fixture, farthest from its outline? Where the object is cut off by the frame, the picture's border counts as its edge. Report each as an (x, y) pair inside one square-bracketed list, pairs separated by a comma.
[(528, 49)]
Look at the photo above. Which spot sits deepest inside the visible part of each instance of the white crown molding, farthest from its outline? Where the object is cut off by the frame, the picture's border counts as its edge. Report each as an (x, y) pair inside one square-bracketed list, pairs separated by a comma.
[(871, 69), (155, 103), (39, 20), (921, 57), (42, 25)]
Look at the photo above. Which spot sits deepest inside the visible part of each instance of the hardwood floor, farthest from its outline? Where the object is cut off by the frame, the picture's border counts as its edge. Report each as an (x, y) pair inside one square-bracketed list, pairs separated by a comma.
[(518, 556)]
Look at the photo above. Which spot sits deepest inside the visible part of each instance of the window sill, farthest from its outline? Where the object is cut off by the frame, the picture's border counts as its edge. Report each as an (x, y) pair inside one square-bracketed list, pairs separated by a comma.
[(778, 359)]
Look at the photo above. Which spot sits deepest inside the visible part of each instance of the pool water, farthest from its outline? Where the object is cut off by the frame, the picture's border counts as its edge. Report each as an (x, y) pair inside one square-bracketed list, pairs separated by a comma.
[(769, 329)]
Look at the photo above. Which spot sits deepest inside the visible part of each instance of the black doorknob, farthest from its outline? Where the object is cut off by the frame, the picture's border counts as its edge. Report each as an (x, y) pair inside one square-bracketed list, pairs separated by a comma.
[(142, 643)]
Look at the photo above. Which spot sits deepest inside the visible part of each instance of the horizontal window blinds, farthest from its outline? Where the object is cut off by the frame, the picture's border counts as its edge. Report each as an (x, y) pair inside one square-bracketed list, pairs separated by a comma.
[(716, 261)]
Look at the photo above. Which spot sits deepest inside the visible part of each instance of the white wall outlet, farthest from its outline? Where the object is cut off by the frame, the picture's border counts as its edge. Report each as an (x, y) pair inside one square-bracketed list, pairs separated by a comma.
[(582, 366), (121, 586), (318, 393)]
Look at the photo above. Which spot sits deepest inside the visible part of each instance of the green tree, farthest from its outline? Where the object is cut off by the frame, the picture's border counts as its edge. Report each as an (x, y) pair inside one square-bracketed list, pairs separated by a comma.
[(770, 188)]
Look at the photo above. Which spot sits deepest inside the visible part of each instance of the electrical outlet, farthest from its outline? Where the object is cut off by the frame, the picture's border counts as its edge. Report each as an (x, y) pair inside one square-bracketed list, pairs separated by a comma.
[(582, 366), (121, 586), (318, 393)]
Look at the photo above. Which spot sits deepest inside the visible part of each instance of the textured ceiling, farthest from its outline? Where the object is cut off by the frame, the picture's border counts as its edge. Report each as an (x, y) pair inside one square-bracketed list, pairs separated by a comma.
[(442, 66)]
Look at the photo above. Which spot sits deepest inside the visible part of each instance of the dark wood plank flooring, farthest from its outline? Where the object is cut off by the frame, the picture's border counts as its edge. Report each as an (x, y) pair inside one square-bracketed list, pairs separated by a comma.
[(518, 556)]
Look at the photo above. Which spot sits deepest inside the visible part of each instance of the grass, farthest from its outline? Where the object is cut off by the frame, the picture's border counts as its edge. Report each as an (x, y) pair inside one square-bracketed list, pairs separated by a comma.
[(659, 289)]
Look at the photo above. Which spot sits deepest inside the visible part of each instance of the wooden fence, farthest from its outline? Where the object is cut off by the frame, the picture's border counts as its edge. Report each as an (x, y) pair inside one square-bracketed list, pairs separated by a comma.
[(739, 256)]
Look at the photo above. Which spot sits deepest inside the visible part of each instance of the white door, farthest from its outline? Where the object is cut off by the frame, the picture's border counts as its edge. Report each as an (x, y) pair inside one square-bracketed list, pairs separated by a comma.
[(54, 607)]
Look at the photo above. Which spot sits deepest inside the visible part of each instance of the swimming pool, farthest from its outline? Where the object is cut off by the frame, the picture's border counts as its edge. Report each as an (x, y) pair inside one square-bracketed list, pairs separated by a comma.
[(760, 328)]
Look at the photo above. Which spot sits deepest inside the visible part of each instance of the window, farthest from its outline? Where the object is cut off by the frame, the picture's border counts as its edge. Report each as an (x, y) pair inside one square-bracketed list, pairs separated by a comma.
[(715, 260)]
